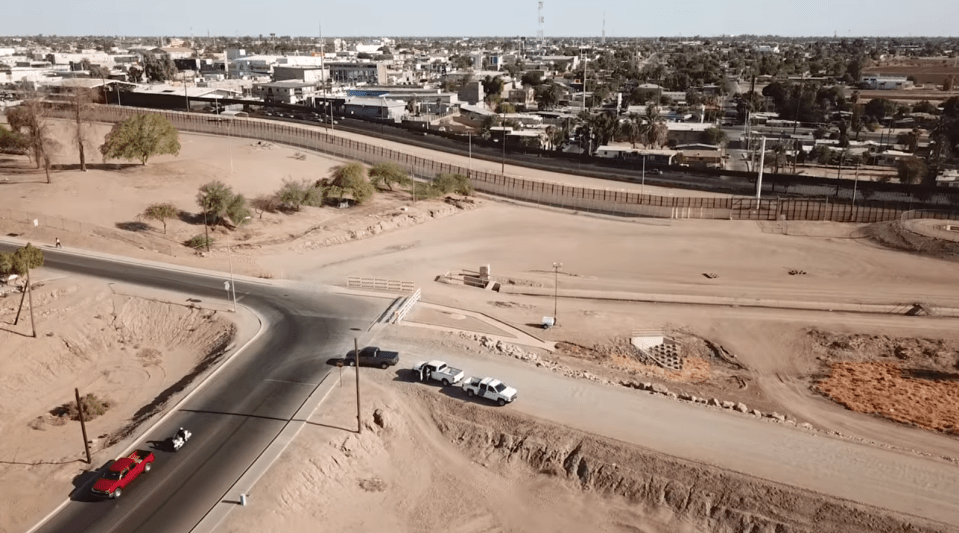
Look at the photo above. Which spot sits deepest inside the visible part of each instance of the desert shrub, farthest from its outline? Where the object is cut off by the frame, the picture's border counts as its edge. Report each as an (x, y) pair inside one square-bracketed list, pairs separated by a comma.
[(12, 142), (294, 194), (199, 241), (93, 406)]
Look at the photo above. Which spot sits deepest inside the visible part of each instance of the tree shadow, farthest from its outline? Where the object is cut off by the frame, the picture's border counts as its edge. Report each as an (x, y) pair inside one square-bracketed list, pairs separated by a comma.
[(83, 482), (930, 375), (98, 166), (133, 226), (195, 219)]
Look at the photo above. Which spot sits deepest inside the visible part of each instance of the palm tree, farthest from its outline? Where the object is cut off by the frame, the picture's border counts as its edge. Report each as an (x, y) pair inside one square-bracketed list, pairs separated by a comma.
[(630, 129), (656, 129)]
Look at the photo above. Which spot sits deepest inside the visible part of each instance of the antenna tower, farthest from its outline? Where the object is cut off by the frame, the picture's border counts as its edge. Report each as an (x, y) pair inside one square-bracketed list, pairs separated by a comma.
[(604, 28), (540, 20)]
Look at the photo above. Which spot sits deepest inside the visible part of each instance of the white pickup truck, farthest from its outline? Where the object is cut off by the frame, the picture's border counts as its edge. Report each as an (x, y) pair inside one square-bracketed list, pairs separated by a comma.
[(489, 388), (438, 371)]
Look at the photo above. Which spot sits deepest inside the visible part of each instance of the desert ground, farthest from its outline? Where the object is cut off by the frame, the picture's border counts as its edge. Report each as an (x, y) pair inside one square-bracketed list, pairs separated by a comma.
[(810, 366)]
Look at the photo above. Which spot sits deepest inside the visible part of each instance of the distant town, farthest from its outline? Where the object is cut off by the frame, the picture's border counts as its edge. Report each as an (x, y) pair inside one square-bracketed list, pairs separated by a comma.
[(885, 106)]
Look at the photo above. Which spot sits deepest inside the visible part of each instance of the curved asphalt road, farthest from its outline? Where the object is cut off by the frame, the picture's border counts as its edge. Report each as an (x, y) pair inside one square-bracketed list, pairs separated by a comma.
[(234, 417)]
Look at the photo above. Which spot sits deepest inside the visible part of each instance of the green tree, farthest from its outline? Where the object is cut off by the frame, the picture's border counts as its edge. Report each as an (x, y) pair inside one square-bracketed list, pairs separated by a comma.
[(715, 136), (533, 78), (214, 198), (604, 126), (548, 95), (135, 74), (158, 69), (633, 128), (452, 183), (657, 131), (159, 212), (293, 194), (506, 108), (493, 86), (12, 142), (96, 71), (349, 179), (388, 174), (237, 210), (911, 170), (141, 137), (880, 107)]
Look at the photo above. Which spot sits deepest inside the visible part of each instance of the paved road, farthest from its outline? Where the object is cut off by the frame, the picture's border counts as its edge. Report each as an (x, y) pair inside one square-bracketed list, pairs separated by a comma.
[(234, 417), (899, 481)]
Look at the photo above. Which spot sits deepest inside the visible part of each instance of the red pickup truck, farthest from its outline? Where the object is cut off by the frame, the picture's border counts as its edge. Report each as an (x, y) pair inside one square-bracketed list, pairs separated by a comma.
[(122, 472)]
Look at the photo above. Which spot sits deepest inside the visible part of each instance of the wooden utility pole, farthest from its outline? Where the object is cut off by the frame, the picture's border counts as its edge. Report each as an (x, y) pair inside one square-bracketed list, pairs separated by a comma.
[(83, 426), (356, 353), (33, 323)]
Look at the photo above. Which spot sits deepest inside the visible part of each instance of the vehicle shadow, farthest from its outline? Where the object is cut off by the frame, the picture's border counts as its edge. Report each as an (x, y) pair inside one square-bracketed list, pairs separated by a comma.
[(165, 445), (84, 481), (408, 376)]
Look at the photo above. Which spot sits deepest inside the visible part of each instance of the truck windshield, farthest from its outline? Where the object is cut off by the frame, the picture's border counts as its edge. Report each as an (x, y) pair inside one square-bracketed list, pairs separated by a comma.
[(500, 387), (113, 475)]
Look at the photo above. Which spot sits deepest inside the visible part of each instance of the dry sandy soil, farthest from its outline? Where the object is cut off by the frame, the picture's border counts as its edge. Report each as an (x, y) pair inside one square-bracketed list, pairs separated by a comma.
[(426, 462), (777, 365)]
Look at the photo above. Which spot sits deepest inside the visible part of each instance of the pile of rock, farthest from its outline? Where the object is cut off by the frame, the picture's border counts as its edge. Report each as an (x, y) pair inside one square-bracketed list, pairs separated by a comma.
[(497, 346), (657, 388)]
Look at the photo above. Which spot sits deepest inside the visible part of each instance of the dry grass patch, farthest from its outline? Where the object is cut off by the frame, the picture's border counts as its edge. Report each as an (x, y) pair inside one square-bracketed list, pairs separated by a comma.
[(927, 399)]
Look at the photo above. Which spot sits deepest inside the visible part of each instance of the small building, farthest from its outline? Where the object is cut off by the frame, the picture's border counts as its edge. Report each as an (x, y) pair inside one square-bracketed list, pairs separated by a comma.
[(522, 95), (353, 73), (284, 92), (885, 83), (472, 93), (308, 74), (653, 157), (687, 132), (374, 108)]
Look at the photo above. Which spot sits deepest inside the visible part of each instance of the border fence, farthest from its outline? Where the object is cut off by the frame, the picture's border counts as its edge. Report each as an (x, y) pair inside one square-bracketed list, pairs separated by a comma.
[(605, 201)]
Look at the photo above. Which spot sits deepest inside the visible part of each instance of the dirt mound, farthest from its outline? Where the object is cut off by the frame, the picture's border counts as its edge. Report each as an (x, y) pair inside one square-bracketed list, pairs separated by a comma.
[(918, 353), (706, 498), (893, 235)]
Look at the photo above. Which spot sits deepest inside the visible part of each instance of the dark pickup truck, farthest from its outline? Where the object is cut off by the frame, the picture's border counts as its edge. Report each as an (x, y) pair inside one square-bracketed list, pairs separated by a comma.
[(372, 356)]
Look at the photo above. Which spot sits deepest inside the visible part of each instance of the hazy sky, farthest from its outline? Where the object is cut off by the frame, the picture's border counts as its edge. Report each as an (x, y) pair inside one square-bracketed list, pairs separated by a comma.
[(482, 18)]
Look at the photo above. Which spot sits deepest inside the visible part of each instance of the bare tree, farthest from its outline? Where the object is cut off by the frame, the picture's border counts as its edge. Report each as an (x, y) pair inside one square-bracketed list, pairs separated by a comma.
[(30, 118), (81, 99)]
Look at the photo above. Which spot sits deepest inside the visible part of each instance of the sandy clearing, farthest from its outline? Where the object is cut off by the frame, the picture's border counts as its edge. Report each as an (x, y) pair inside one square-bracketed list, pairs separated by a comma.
[(521, 244)]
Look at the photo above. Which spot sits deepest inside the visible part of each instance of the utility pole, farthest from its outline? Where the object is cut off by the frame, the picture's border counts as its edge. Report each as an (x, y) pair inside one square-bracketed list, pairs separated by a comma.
[(556, 267), (762, 164), (503, 170), (83, 425), (33, 323), (356, 368)]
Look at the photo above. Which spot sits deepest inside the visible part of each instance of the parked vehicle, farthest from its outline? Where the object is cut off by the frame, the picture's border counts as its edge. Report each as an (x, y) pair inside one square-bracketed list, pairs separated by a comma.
[(489, 388), (438, 371), (373, 356), (122, 472)]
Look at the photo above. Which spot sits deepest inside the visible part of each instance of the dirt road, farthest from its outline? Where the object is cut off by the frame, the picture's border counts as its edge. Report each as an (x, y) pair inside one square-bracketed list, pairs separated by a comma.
[(898, 481)]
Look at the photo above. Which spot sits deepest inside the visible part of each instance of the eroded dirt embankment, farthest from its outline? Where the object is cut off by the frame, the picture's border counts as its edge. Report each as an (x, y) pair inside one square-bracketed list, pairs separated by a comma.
[(709, 499)]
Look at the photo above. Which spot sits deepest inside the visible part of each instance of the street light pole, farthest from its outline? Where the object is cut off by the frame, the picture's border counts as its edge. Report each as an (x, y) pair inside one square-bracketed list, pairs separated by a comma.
[(469, 168), (642, 185), (556, 267), (503, 170), (229, 253)]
